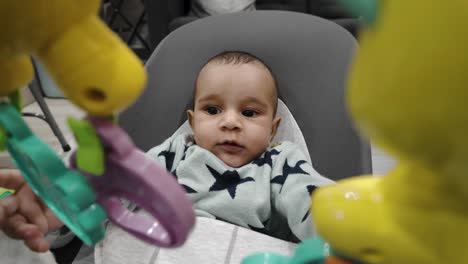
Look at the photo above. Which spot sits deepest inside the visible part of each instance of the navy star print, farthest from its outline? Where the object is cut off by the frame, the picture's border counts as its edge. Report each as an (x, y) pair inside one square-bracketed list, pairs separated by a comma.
[(185, 150), (310, 189), (229, 181), (169, 156), (287, 170), (266, 158), (188, 189)]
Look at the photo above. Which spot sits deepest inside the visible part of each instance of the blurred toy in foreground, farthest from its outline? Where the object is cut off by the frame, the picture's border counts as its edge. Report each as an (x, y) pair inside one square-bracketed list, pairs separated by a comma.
[(99, 73), (408, 93), (131, 175), (65, 191), (91, 64)]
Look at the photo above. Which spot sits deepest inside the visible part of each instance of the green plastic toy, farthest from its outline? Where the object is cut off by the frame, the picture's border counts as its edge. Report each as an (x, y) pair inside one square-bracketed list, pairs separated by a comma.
[(312, 251), (65, 191), (90, 153), (3, 139), (367, 9), (16, 100)]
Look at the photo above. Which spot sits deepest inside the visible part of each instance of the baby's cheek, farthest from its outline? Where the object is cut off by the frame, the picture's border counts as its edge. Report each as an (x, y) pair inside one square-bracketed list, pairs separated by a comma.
[(261, 141), (204, 131)]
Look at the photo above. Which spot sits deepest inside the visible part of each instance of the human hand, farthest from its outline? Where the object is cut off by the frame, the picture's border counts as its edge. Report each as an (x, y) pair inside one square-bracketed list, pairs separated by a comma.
[(23, 215)]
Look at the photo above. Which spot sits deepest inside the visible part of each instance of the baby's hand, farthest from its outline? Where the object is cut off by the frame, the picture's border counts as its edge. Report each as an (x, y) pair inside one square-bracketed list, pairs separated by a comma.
[(23, 215)]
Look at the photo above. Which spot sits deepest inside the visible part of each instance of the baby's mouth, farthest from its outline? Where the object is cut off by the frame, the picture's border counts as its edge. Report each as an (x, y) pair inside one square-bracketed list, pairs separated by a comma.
[(231, 146)]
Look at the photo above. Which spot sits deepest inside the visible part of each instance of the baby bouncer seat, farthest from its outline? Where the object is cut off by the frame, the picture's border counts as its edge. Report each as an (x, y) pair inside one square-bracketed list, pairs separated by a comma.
[(309, 57)]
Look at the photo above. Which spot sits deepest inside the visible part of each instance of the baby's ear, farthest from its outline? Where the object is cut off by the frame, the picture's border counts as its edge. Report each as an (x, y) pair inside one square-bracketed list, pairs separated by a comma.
[(190, 117), (275, 125)]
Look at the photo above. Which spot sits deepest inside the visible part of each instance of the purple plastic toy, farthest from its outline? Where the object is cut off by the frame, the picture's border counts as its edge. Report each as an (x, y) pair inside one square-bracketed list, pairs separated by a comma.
[(130, 174)]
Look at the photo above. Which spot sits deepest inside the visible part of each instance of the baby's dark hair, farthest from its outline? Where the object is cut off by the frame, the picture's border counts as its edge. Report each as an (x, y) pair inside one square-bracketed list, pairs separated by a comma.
[(240, 57), (236, 57)]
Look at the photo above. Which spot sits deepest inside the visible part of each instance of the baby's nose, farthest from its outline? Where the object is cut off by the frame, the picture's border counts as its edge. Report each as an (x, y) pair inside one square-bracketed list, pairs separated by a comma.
[(231, 120)]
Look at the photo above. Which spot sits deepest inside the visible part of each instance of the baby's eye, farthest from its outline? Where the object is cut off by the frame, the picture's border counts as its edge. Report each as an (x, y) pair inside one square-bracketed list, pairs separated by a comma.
[(211, 110), (249, 113)]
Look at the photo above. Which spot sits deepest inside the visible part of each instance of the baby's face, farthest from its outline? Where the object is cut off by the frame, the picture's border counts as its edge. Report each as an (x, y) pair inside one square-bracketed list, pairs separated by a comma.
[(233, 114)]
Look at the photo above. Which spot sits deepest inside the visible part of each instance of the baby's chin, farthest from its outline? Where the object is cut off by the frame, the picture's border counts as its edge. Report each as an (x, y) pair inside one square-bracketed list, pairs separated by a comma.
[(233, 162)]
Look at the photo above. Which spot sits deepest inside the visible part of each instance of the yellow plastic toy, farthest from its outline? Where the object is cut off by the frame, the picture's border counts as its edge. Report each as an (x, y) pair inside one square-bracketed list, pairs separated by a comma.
[(90, 64), (408, 91)]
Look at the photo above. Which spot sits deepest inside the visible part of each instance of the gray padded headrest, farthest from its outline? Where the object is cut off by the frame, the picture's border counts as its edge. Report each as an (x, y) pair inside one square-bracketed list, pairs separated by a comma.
[(309, 57)]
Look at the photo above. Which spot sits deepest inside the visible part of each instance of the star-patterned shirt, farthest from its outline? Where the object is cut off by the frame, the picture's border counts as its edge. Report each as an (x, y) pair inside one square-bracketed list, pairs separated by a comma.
[(268, 194)]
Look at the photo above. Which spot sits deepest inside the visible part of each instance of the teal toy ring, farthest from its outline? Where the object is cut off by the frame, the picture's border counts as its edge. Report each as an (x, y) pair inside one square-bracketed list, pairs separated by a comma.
[(65, 191)]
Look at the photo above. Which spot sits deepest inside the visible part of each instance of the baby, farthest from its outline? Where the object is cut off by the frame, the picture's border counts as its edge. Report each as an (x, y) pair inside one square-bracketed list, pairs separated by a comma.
[(228, 165)]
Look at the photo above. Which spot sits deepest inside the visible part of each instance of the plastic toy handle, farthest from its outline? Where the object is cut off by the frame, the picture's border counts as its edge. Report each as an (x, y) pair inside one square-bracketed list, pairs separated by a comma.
[(131, 175), (144, 227), (169, 214)]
